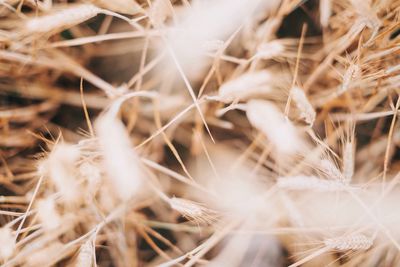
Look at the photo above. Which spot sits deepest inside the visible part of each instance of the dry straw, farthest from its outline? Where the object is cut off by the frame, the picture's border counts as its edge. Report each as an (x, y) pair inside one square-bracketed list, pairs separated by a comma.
[(68, 17), (329, 168), (64, 18), (47, 214), (89, 201)]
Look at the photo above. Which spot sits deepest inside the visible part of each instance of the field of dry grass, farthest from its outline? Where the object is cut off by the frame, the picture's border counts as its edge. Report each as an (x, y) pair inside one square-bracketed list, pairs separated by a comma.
[(214, 133)]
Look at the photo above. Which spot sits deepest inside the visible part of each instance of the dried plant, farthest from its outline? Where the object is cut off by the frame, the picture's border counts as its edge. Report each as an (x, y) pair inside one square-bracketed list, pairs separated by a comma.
[(199, 132)]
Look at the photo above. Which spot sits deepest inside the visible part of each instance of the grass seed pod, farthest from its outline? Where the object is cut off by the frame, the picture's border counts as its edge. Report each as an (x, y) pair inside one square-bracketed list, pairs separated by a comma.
[(307, 111), (268, 119), (64, 18), (349, 242), (246, 86), (121, 161)]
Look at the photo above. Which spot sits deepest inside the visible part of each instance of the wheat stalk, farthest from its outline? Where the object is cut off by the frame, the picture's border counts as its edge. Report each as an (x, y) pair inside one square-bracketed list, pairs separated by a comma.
[(68, 17)]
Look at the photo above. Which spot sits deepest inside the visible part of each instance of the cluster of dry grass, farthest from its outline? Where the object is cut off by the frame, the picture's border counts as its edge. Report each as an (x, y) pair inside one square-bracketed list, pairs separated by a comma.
[(190, 133)]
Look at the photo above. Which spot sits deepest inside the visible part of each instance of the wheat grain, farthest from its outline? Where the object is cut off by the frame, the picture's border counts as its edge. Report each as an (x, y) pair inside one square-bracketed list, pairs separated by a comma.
[(330, 170), (121, 161), (349, 242), (191, 210), (65, 18), (246, 86), (352, 73), (92, 174), (60, 167), (307, 111), (264, 116)]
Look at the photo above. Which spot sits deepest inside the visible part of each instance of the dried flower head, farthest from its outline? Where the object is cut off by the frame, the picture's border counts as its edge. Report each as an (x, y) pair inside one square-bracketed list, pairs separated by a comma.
[(330, 170), (307, 111), (92, 174), (70, 16), (47, 214), (67, 17), (59, 166), (246, 86), (349, 242), (352, 73), (120, 159), (267, 118), (191, 210)]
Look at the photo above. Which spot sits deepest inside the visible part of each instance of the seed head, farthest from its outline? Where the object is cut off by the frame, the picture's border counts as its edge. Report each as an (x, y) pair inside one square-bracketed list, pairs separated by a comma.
[(121, 161), (264, 116), (67, 17), (246, 86), (350, 242), (191, 210), (47, 214), (307, 111)]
